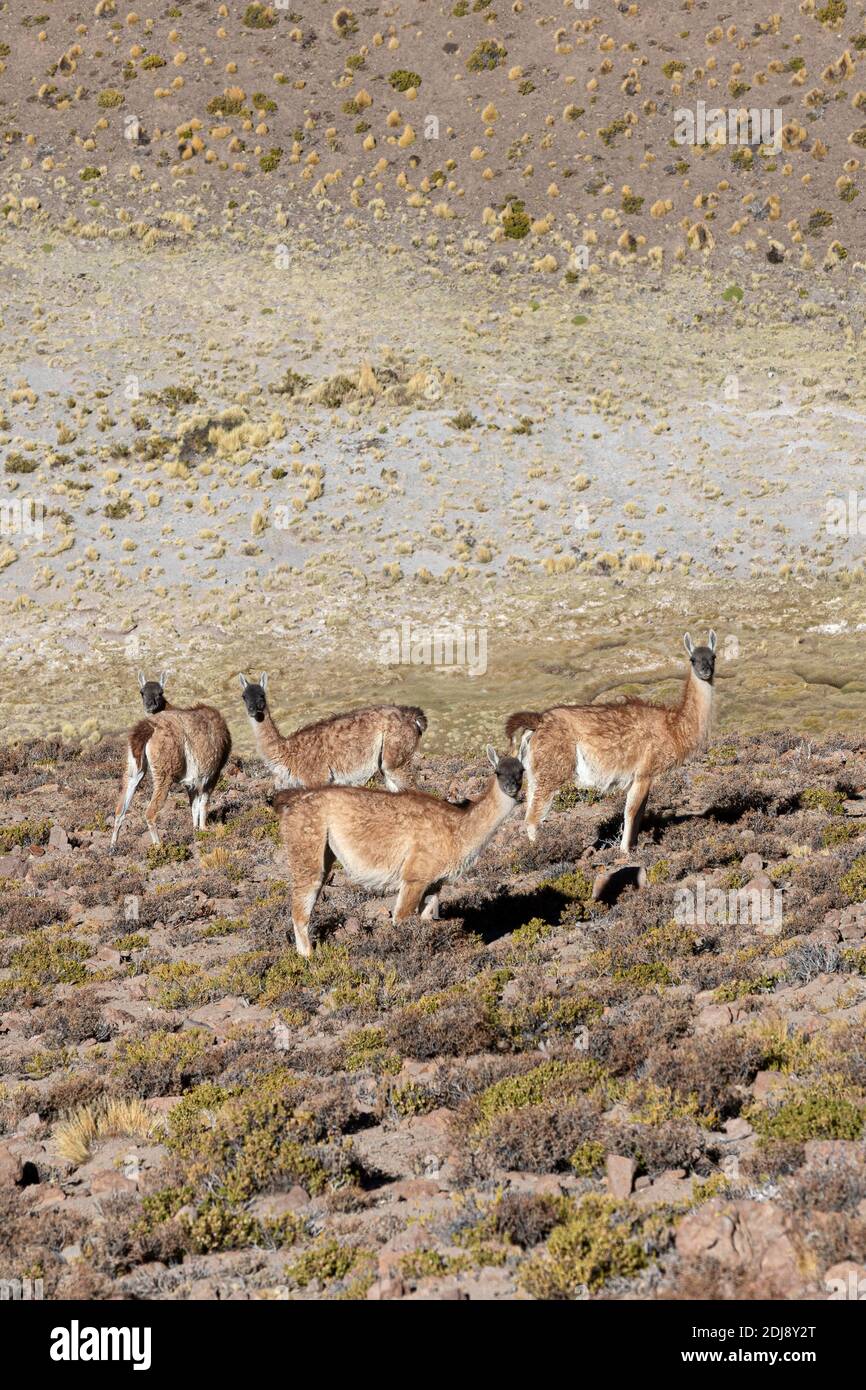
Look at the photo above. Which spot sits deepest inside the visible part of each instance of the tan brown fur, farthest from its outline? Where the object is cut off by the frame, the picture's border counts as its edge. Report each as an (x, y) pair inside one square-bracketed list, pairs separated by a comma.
[(345, 749), (622, 746), (407, 841), (176, 745)]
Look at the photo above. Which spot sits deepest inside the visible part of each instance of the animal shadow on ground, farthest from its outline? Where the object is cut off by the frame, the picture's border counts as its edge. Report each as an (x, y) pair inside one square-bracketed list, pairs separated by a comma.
[(504, 913)]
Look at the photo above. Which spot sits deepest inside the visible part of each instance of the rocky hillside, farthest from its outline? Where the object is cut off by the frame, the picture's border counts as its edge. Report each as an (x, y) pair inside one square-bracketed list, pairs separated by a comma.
[(473, 130), (651, 1084)]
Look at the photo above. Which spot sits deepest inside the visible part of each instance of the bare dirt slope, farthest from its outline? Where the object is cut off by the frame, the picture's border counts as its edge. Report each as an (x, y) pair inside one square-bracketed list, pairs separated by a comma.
[(486, 129)]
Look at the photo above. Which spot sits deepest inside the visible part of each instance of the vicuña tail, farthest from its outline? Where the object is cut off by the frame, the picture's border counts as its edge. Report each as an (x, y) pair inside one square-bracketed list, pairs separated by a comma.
[(520, 723)]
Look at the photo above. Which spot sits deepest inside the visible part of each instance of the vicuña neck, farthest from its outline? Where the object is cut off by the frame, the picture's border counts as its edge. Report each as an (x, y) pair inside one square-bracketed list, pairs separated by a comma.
[(269, 740), (697, 703), (488, 812)]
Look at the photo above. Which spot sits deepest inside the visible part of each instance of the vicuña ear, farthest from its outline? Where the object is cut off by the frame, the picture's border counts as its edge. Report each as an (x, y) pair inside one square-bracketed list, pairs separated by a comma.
[(492, 756), (263, 681), (142, 680), (712, 641), (243, 680), (688, 644), (163, 677)]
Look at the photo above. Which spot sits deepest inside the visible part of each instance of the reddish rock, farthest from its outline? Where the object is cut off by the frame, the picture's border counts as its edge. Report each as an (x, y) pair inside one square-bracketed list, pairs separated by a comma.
[(670, 1186), (620, 1174), (224, 1014), (758, 883), (738, 1129), (825, 936), (386, 1288), (744, 1235), (58, 839), (106, 955), (13, 864), (403, 1243), (47, 1195), (407, 1189), (162, 1105), (276, 1204), (718, 1016), (822, 1153), (109, 1181), (118, 1018), (769, 1083), (11, 1168)]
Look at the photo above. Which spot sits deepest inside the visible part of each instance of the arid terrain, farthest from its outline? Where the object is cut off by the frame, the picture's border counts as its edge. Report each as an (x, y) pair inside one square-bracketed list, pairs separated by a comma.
[(538, 1095), (407, 353)]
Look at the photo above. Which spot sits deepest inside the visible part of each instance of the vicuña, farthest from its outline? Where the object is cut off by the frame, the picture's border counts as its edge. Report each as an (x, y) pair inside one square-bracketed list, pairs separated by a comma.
[(613, 747), (347, 749), (411, 842), (186, 746)]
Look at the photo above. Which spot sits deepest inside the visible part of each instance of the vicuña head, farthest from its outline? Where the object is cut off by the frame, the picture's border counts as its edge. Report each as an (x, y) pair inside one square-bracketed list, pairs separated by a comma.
[(613, 747), (703, 659), (410, 841), (347, 748), (153, 693), (254, 697)]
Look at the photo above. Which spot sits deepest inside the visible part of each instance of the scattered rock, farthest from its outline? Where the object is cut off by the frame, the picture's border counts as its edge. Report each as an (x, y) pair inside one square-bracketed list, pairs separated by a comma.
[(620, 1174), (58, 839), (11, 1168), (744, 1234), (273, 1205), (388, 1288)]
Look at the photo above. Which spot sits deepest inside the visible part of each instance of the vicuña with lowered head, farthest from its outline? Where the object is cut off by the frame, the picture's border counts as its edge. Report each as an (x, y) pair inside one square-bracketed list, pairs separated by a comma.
[(411, 842), (613, 747), (347, 749), (186, 746)]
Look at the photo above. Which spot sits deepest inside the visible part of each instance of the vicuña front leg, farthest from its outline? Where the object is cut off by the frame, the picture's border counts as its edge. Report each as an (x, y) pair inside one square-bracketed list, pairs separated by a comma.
[(409, 899), (635, 804)]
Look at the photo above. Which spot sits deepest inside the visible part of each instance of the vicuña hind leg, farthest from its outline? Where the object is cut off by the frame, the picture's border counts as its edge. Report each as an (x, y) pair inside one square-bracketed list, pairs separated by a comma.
[(635, 804), (548, 765), (131, 780), (310, 866), (396, 761), (539, 799)]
